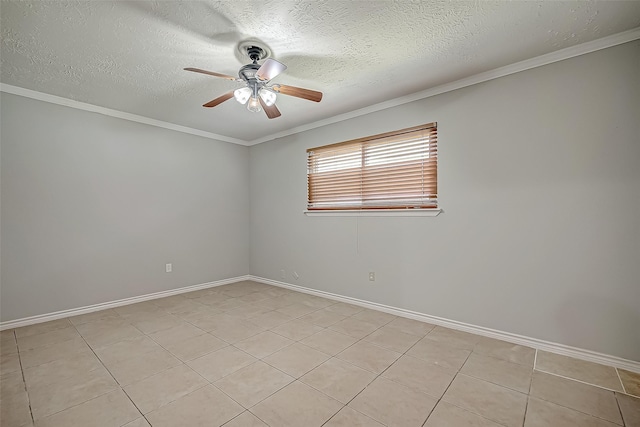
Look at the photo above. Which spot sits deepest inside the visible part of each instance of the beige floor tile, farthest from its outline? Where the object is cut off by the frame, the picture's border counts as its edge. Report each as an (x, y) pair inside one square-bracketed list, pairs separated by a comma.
[(393, 404), (14, 409), (61, 369), (347, 417), (377, 318), (140, 307), (546, 414), (263, 344), (139, 367), (168, 301), (204, 407), (109, 410), (238, 331), (198, 294), (448, 415), (46, 354), (420, 375), (29, 342), (140, 422), (246, 419), (175, 334), (410, 326), (318, 302), (329, 342), (190, 310), (8, 346), (111, 335), (505, 351), (582, 397), (95, 316), (254, 297), (221, 363), (353, 327), (100, 326), (69, 392), (296, 310), (499, 371), (631, 381), (253, 383), (345, 309), (270, 320), (165, 387), (323, 318), (156, 322), (497, 403), (41, 328), (214, 321), (272, 303), (11, 384), (229, 304), (443, 355), (248, 311), (589, 372), (338, 379), (194, 347), (368, 356), (392, 339), (296, 329), (297, 405), (453, 338), (7, 334), (296, 359), (9, 363), (126, 349), (630, 408)]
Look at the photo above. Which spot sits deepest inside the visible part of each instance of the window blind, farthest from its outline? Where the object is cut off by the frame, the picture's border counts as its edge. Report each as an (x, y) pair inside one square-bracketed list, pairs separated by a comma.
[(395, 170)]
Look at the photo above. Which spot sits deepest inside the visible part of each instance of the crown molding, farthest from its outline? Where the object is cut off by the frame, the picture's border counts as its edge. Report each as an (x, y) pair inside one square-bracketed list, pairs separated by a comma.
[(527, 64), (538, 61), (41, 96)]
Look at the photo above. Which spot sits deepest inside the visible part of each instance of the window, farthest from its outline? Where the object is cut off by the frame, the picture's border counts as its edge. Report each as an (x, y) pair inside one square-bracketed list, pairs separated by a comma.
[(395, 170)]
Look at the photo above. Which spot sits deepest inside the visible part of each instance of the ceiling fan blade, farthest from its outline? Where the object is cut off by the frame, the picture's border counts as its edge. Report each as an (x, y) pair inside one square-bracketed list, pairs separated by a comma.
[(272, 112), (299, 92), (269, 69), (211, 73), (219, 100)]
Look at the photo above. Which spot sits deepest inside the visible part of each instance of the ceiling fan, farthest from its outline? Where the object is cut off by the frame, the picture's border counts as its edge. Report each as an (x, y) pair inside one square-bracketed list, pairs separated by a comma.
[(258, 93)]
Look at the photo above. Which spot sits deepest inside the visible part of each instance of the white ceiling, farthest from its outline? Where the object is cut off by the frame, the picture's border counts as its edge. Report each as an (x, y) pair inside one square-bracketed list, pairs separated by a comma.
[(129, 56)]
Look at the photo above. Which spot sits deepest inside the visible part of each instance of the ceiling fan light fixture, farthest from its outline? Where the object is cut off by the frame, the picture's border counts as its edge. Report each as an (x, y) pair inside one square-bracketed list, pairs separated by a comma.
[(242, 95), (254, 105), (268, 96)]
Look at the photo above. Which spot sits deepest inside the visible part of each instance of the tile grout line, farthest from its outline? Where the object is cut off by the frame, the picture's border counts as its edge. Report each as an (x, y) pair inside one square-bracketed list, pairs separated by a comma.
[(24, 381), (584, 382), (624, 389), (107, 369)]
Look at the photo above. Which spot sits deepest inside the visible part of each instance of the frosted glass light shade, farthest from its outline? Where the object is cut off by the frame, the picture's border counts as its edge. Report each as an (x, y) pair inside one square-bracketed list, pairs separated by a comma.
[(268, 96), (242, 95)]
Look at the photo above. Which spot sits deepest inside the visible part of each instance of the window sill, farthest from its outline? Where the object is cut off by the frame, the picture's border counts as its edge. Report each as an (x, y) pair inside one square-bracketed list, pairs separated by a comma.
[(377, 212)]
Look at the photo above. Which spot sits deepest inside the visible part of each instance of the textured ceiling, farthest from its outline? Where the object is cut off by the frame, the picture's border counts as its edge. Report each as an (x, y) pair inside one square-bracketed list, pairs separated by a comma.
[(129, 56)]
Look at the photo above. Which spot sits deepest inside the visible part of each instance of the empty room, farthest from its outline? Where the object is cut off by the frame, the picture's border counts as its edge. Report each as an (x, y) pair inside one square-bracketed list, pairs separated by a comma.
[(320, 213)]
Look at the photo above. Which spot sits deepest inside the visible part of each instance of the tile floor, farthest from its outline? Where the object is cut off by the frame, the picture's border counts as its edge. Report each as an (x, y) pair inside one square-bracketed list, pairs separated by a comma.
[(249, 354)]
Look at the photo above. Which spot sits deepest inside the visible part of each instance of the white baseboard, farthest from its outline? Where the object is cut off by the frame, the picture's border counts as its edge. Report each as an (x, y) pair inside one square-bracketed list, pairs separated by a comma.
[(565, 350), (552, 347), (26, 321)]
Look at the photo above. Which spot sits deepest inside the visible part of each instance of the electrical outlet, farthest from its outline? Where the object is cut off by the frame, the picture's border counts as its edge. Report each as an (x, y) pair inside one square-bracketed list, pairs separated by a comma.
[(168, 268), (295, 275), (372, 276), (283, 274)]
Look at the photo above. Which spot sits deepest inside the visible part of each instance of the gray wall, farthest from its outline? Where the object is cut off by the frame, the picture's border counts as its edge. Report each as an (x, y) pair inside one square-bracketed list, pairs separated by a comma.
[(539, 180), (93, 207)]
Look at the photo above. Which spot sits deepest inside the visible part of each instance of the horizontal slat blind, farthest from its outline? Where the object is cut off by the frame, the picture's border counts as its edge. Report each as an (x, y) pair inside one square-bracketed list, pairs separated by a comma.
[(395, 170)]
